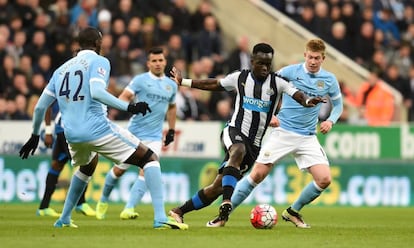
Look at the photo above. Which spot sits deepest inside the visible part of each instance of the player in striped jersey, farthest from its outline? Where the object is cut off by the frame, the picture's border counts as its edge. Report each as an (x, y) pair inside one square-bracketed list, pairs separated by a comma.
[(258, 94), (296, 133)]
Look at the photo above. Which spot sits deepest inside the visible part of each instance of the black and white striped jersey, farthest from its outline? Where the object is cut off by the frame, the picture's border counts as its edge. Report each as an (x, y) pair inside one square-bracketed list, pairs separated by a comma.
[(255, 102)]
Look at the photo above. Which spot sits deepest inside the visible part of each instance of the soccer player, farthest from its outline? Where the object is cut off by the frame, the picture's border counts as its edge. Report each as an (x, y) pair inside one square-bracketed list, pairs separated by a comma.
[(159, 92), (79, 86), (60, 156), (257, 96), (296, 134)]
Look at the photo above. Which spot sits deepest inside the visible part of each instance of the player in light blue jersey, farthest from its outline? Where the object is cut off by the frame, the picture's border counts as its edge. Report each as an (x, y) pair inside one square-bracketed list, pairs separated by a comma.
[(79, 86), (159, 92), (296, 133), (257, 96), (60, 156)]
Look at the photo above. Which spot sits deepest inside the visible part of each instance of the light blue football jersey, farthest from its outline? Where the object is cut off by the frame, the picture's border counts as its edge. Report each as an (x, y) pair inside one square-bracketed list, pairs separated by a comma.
[(84, 118), (293, 116), (159, 93)]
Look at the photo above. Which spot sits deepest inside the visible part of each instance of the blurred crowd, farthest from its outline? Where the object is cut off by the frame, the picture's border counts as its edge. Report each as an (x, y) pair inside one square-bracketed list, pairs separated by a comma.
[(378, 35), (38, 36)]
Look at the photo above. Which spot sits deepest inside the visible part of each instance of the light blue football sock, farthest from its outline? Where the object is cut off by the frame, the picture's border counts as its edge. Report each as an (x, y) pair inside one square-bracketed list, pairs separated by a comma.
[(137, 192), (154, 183), (76, 188), (308, 194), (243, 189), (110, 181)]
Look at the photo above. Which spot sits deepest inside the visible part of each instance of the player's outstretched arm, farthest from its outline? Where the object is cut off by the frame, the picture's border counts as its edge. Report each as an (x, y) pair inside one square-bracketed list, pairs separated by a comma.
[(99, 93), (306, 101), (210, 84)]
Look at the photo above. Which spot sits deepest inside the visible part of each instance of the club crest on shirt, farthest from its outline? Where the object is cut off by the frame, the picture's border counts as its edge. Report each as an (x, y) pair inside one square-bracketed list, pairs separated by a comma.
[(270, 92), (168, 88), (101, 71), (320, 84)]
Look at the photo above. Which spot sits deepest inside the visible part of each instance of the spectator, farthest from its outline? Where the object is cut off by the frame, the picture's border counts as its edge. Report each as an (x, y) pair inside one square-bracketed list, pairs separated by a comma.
[(307, 17), (38, 83), (26, 66), (125, 11), (402, 59), (17, 47), (23, 9), (197, 18), (87, 9), (364, 45), (340, 40), (175, 50), (20, 86), (322, 22), (38, 45), (20, 111), (401, 84), (148, 31), (44, 66), (239, 57), (121, 61), (60, 53), (375, 101), (383, 21), (182, 25), (104, 21), (118, 29), (6, 10), (209, 41), (7, 72), (164, 29)]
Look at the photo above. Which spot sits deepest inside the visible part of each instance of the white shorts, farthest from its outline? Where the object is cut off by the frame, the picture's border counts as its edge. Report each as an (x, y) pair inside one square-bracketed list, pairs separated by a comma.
[(305, 148), (118, 147), (155, 146)]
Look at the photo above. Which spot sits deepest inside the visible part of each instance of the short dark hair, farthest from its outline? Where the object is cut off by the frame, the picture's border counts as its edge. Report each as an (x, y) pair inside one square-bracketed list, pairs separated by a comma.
[(263, 47), (155, 50), (88, 37)]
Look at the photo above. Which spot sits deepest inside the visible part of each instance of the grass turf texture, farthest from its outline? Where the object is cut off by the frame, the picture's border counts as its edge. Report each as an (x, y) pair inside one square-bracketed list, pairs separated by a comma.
[(331, 227)]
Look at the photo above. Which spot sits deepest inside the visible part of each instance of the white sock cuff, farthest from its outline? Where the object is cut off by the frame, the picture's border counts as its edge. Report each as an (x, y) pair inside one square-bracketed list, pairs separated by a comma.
[(82, 176), (152, 164), (141, 178), (250, 180), (317, 187), (113, 173)]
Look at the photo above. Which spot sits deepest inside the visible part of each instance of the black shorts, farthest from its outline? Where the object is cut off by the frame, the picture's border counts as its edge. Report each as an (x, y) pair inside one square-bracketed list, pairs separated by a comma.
[(231, 135), (60, 150)]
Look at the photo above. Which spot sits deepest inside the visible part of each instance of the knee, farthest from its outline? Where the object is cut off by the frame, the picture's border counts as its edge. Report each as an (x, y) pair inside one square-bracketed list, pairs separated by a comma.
[(118, 171), (324, 182)]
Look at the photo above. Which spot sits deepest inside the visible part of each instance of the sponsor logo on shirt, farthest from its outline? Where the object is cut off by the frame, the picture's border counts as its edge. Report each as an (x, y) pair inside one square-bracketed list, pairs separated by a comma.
[(257, 105)]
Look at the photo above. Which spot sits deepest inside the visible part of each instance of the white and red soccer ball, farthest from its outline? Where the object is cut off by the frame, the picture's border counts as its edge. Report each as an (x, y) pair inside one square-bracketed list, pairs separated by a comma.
[(263, 216)]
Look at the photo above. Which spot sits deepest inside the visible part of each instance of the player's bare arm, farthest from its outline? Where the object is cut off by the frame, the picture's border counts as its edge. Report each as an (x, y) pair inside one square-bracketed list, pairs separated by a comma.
[(210, 84), (48, 140), (306, 101)]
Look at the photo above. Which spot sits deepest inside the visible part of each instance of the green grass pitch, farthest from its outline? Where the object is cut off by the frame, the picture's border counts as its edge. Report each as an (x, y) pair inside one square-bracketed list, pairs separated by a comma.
[(331, 227)]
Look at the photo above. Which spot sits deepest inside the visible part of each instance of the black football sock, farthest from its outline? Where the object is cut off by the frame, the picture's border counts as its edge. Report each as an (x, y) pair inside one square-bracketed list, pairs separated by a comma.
[(51, 181)]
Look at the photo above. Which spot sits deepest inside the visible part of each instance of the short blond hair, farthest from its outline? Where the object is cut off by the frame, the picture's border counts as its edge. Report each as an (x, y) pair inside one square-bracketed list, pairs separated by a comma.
[(316, 45)]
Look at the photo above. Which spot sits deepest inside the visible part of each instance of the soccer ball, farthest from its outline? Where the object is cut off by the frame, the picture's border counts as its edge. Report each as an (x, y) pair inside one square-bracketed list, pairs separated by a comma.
[(263, 216)]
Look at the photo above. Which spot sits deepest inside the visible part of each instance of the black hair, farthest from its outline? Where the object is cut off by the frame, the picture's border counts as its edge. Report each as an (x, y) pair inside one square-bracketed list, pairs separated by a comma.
[(87, 37), (263, 47), (156, 50)]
